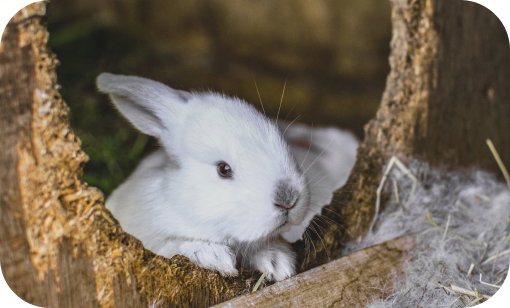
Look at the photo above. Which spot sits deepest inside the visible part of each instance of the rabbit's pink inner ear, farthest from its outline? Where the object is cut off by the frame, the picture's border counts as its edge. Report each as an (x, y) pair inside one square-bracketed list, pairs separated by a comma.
[(300, 143)]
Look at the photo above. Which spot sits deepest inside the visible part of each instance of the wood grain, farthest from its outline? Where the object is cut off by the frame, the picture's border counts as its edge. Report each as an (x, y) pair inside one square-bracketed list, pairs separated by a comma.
[(60, 247), (352, 281), (447, 92)]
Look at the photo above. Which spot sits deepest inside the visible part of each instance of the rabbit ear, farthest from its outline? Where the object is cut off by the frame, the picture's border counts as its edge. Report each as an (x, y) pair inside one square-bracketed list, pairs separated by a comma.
[(147, 104)]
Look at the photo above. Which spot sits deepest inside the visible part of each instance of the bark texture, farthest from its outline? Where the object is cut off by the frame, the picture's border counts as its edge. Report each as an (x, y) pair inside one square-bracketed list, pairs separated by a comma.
[(447, 92), (353, 281), (60, 247)]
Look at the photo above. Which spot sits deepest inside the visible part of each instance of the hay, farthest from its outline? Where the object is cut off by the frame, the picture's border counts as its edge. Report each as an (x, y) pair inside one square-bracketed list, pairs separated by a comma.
[(464, 229)]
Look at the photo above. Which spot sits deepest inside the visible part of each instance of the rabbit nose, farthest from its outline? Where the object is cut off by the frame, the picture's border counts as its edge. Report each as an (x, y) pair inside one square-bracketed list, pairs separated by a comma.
[(285, 195), (286, 207)]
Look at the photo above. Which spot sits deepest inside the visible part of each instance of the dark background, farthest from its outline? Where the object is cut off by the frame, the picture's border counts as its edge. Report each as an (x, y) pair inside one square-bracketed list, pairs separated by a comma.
[(332, 55)]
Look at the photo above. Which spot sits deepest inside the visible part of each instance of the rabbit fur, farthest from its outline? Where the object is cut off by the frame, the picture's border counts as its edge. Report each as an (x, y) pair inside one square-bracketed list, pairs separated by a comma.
[(177, 202)]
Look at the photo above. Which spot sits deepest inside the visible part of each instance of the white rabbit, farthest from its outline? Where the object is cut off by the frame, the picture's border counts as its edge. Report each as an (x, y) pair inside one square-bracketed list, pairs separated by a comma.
[(224, 186)]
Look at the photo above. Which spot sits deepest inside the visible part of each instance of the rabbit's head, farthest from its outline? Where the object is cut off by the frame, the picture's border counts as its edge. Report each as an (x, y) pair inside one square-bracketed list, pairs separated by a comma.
[(230, 172)]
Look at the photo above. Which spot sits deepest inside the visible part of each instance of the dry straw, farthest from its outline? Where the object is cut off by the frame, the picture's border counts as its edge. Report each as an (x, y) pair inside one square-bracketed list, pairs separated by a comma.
[(469, 210)]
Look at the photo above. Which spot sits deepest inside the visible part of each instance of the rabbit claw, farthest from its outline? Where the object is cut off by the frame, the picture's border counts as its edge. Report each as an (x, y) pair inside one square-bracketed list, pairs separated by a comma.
[(276, 262)]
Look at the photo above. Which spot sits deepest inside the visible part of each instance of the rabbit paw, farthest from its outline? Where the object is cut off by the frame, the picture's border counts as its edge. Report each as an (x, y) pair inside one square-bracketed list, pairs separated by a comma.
[(210, 255), (276, 262)]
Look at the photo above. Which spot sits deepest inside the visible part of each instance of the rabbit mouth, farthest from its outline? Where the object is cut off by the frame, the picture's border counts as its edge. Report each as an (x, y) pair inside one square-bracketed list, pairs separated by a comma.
[(284, 227)]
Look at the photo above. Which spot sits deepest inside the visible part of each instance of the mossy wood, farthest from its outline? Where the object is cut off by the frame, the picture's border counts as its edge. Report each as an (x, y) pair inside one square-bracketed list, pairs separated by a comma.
[(61, 248)]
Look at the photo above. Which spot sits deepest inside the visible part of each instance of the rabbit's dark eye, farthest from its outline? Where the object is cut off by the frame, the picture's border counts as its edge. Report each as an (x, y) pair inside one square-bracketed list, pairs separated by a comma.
[(224, 170)]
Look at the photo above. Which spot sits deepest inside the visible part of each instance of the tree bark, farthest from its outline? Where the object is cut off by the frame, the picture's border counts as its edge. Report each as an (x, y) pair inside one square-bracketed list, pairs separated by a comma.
[(61, 247), (447, 92)]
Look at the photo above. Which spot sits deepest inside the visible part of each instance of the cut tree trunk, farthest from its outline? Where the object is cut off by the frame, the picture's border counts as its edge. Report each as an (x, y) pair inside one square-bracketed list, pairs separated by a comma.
[(447, 92), (60, 247)]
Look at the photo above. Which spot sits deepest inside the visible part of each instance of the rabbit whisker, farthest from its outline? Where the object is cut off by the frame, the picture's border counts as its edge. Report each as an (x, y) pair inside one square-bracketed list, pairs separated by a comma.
[(311, 139), (283, 134), (281, 100), (329, 210), (318, 235), (319, 155), (322, 178), (289, 113), (318, 226), (259, 94), (307, 247), (315, 176), (310, 242), (327, 220)]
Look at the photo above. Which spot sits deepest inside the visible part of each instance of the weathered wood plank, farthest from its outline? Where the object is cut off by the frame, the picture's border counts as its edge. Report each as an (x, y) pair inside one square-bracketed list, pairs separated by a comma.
[(352, 281)]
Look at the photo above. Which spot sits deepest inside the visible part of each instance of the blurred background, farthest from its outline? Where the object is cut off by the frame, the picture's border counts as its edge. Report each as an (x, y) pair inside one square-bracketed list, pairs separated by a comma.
[(331, 54)]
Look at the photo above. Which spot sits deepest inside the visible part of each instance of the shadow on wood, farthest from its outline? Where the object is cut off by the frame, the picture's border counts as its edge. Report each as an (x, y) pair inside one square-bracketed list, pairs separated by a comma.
[(449, 79)]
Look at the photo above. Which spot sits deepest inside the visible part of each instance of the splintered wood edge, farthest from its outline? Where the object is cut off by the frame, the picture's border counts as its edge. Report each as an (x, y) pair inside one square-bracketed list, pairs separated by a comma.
[(352, 281)]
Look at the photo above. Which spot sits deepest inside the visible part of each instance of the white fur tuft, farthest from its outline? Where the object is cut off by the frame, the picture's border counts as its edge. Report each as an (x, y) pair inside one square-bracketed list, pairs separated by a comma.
[(479, 207)]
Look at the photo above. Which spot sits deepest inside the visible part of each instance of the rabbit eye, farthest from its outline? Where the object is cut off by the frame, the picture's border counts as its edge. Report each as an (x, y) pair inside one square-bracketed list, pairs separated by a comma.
[(224, 170)]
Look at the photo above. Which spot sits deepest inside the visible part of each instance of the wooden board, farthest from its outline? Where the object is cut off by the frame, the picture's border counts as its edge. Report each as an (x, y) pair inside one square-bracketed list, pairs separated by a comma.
[(352, 281)]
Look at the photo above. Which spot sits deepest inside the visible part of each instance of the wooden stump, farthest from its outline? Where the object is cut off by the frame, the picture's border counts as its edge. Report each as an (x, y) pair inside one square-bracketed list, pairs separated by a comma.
[(60, 247), (447, 92)]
